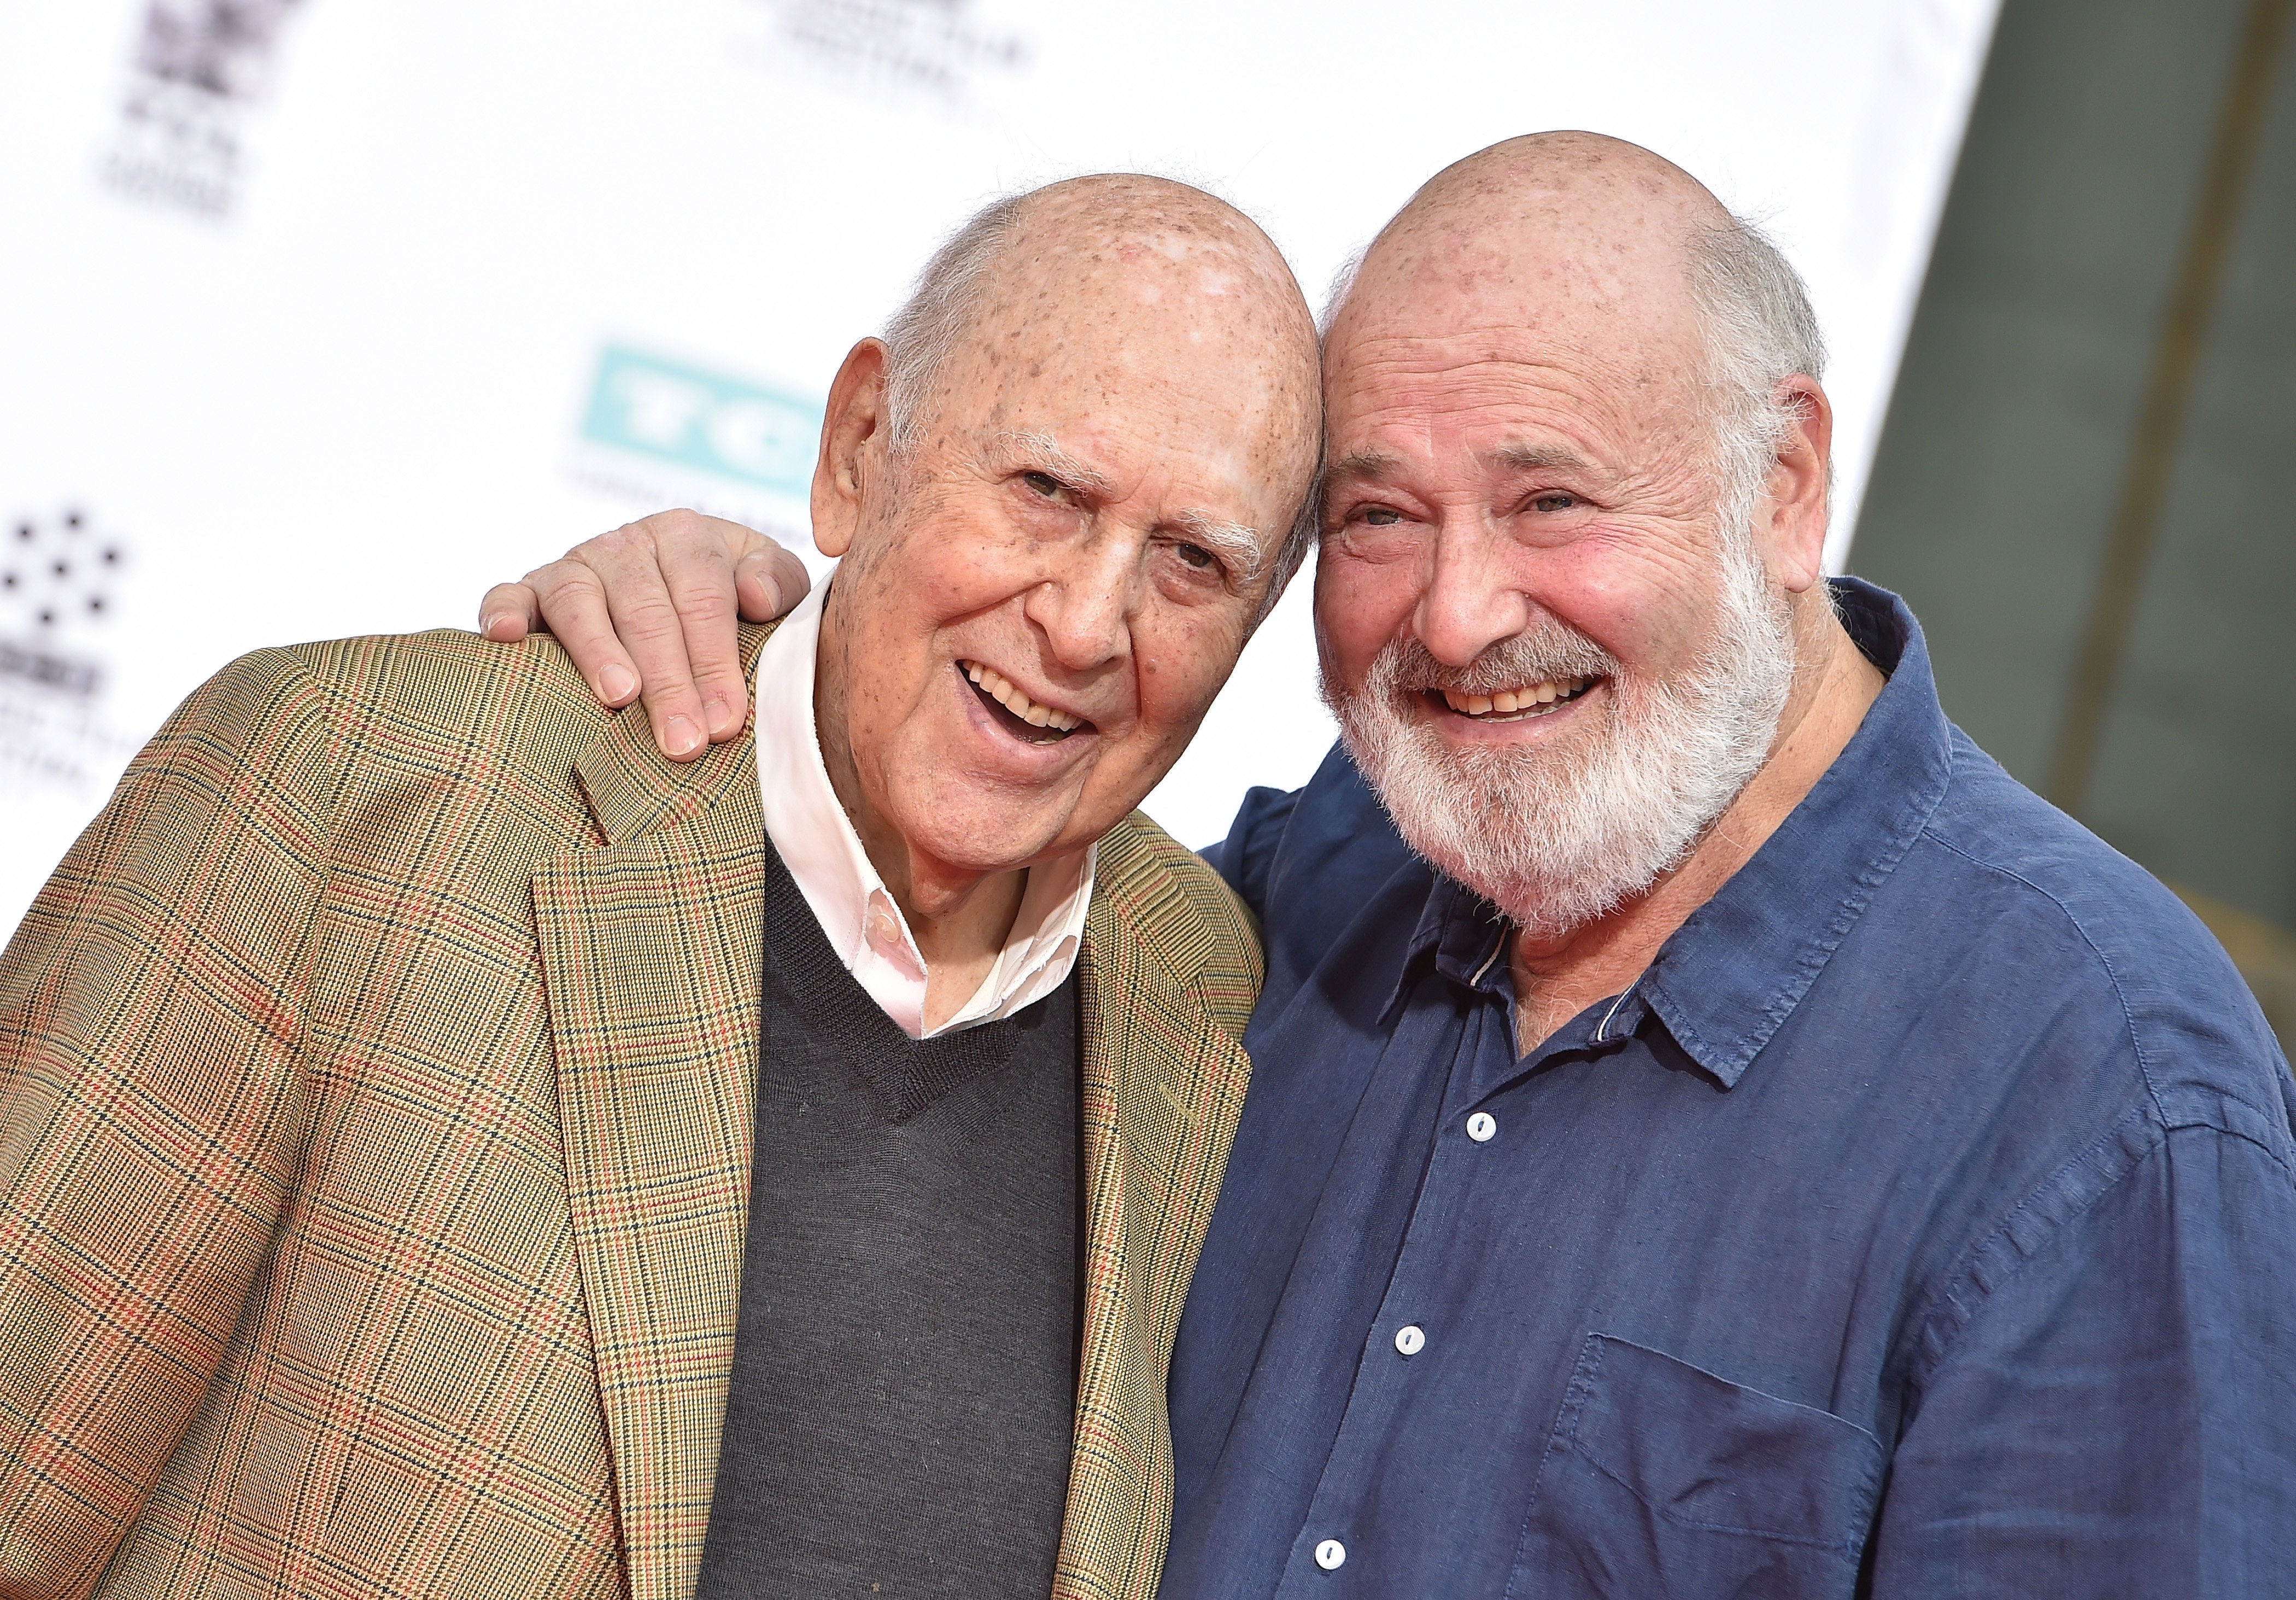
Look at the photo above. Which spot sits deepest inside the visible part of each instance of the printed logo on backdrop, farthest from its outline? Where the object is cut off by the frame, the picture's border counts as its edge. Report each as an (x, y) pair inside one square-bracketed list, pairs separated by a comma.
[(665, 432), (60, 577), (934, 46), (199, 65)]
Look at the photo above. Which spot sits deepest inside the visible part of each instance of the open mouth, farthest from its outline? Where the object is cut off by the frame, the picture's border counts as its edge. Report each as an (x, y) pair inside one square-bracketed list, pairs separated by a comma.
[(1515, 705), (1024, 718)]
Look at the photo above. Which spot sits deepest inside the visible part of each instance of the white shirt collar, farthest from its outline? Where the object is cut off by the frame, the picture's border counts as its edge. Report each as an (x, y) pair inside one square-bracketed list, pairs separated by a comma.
[(817, 842)]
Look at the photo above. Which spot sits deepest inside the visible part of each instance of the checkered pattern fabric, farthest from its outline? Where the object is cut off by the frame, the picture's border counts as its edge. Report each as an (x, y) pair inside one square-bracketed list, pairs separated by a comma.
[(375, 1090)]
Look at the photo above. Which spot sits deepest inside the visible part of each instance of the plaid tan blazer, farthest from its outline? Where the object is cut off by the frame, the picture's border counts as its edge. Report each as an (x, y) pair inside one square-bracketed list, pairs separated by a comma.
[(375, 1106)]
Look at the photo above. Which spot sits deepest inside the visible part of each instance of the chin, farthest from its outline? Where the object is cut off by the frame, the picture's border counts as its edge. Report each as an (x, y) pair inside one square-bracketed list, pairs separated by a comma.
[(989, 840)]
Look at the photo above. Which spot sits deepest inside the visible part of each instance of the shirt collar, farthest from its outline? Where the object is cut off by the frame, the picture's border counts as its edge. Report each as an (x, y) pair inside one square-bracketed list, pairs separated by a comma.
[(1462, 935), (816, 841), (1732, 974)]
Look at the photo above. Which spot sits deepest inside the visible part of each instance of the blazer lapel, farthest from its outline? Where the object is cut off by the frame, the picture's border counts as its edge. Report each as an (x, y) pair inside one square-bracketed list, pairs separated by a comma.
[(1162, 1084), (652, 953)]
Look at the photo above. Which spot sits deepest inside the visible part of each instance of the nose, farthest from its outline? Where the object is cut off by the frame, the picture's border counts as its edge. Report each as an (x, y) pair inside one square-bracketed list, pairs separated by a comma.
[(1472, 599), (1084, 602)]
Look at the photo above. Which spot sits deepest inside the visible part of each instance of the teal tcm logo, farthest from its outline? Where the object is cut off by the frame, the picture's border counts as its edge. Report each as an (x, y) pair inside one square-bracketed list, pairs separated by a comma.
[(707, 421)]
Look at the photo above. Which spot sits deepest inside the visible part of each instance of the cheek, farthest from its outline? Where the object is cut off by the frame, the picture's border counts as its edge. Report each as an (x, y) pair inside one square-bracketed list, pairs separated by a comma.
[(1360, 605), (1640, 594), (1177, 676)]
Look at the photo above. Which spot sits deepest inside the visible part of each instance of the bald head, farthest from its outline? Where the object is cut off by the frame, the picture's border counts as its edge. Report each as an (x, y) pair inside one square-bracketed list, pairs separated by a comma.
[(1112, 245), (1115, 261), (1612, 251), (1599, 217)]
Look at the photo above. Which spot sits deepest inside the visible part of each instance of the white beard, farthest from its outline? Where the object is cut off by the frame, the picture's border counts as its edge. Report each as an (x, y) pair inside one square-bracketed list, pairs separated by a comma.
[(1555, 839)]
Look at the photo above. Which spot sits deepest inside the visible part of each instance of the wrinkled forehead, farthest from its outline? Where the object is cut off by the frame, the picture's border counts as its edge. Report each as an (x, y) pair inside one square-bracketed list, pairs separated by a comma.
[(1152, 334), (1553, 276)]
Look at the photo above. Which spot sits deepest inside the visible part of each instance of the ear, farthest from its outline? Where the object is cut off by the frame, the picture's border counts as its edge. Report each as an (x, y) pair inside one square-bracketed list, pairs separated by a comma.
[(1798, 483), (852, 446)]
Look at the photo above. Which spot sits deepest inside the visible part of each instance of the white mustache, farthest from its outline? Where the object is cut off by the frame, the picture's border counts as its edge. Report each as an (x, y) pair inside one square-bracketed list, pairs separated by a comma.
[(1536, 655)]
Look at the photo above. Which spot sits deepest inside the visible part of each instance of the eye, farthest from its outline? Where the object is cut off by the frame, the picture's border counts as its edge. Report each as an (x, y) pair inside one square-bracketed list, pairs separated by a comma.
[(1553, 501), (1196, 556), (1045, 485), (1381, 516)]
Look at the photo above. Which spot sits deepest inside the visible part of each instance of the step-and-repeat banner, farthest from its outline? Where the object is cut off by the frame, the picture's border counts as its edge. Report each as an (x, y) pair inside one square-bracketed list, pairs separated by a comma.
[(316, 316)]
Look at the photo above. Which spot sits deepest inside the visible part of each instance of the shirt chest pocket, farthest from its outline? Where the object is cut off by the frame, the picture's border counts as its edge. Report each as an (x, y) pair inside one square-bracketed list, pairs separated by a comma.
[(1662, 1479)]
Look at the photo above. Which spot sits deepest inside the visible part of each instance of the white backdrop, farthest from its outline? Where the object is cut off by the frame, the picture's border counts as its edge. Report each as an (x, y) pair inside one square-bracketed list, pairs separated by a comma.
[(316, 316)]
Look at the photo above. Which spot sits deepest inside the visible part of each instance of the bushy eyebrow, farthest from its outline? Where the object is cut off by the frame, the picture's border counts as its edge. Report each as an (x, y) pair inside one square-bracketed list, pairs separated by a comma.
[(1232, 542), (1045, 452), (1376, 464), (1235, 544), (1373, 464), (1541, 458)]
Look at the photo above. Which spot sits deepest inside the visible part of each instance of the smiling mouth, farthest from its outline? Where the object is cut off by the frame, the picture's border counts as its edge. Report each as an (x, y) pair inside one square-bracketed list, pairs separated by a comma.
[(1014, 711), (1514, 705)]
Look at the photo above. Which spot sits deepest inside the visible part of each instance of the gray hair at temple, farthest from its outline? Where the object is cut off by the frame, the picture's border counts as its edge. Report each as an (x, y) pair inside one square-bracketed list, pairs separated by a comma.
[(927, 329), (932, 322), (1759, 329)]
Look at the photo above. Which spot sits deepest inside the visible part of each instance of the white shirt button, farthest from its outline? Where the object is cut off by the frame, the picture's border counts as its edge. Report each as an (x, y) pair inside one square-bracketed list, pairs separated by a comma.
[(1411, 1340), (883, 931), (1330, 1554), (1482, 1126)]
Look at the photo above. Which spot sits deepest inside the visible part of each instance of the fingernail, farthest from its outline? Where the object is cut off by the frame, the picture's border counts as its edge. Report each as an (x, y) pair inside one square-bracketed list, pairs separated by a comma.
[(680, 737), (486, 624), (719, 713), (618, 682)]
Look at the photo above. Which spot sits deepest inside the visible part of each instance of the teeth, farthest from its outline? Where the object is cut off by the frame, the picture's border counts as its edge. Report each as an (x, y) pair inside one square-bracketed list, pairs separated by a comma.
[(1509, 701), (1005, 692)]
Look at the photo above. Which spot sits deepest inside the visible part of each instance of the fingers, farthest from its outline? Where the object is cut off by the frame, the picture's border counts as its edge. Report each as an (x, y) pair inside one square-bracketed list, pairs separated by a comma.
[(509, 613), (572, 604), (769, 581), (698, 574), (627, 567), (655, 607)]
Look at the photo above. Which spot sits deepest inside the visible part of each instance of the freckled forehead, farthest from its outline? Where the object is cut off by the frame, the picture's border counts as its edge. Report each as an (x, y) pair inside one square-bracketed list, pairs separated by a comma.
[(1547, 333), (1150, 332), (1559, 264)]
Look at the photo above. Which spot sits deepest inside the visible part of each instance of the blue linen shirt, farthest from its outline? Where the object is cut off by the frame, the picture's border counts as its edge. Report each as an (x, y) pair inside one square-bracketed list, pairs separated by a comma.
[(1919, 1224)]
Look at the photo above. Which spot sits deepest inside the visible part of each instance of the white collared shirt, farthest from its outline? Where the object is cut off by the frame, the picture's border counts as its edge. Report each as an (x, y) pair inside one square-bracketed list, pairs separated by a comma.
[(817, 842)]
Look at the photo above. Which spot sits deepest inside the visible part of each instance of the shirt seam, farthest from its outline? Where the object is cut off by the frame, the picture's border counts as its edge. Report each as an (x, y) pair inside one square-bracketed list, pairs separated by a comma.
[(1972, 1288), (2169, 1120), (2104, 961)]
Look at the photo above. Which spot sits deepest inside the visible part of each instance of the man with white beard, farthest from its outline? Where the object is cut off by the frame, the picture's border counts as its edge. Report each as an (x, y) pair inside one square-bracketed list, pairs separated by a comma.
[(1743, 1142)]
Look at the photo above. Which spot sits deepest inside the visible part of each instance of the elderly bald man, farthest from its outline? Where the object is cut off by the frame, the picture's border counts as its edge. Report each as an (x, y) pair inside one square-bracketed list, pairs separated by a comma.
[(1713, 1132), (452, 1150)]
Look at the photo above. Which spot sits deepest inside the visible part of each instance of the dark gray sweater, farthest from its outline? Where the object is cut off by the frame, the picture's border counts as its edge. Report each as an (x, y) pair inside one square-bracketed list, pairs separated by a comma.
[(905, 1366)]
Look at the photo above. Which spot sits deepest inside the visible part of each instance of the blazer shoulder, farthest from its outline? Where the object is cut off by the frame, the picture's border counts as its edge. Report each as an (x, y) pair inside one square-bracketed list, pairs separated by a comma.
[(372, 736), (1170, 901), (521, 694)]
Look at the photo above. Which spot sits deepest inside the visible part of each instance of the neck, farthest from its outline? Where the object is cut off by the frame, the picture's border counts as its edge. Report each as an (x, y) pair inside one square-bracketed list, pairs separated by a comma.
[(1834, 685), (960, 918)]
